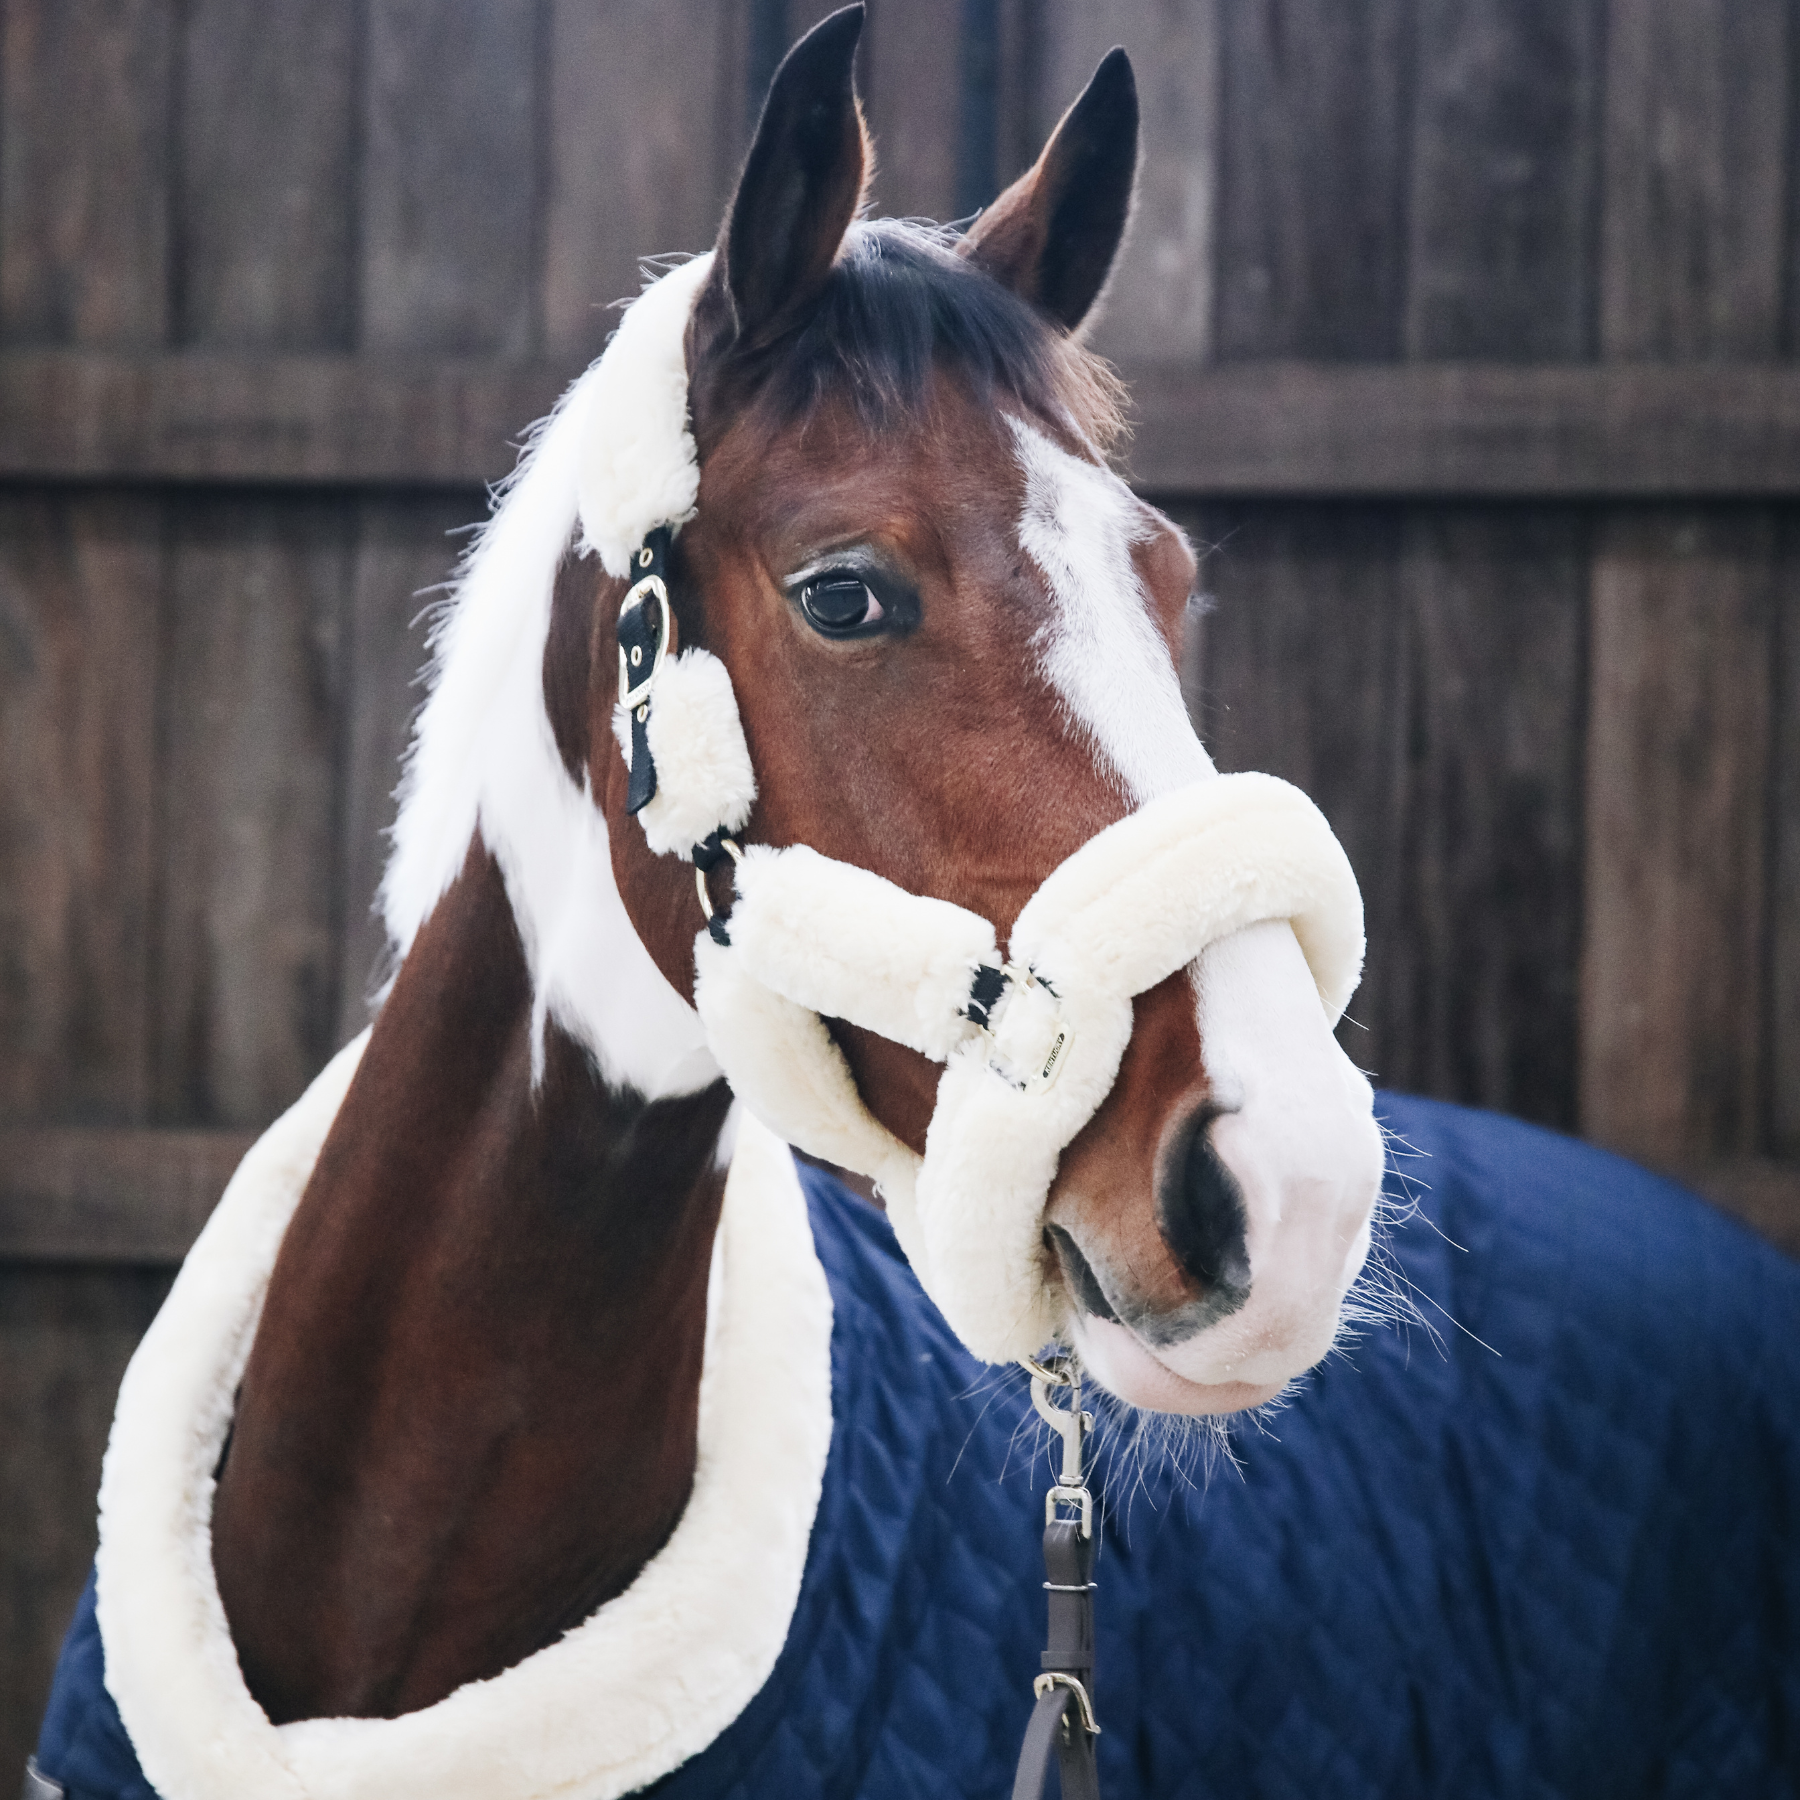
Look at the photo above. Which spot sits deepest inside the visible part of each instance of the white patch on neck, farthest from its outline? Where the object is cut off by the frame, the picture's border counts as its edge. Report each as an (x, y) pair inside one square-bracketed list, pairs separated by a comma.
[(1100, 651), (483, 754)]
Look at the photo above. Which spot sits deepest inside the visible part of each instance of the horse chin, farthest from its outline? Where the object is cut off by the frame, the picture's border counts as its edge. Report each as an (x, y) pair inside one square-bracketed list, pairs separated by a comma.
[(1128, 1368)]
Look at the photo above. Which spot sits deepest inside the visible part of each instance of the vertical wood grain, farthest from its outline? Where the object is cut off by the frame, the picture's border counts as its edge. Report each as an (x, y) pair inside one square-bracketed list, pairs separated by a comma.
[(266, 215), (85, 101), (1504, 172), (1696, 141), (1496, 600), (1673, 1059), (65, 1337), (450, 201), (247, 942), (1311, 232), (912, 67), (1307, 672), (1784, 887), (642, 135), (1677, 774), (1499, 265), (1159, 305), (81, 582), (405, 550)]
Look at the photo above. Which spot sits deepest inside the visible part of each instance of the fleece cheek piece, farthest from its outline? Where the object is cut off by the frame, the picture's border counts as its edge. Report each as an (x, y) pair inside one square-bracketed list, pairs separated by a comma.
[(704, 780)]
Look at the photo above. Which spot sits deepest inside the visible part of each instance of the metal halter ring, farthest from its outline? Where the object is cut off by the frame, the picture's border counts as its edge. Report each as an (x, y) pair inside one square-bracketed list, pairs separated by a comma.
[(729, 845), (635, 693)]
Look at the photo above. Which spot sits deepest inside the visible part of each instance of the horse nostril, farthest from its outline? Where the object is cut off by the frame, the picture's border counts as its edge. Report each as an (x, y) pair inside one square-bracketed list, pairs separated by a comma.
[(1079, 1277), (1202, 1210)]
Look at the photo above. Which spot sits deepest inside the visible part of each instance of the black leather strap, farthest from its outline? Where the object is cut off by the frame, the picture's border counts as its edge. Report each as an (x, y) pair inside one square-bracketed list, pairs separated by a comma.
[(1059, 1722), (985, 990), (641, 629), (1069, 1563), (1056, 1730)]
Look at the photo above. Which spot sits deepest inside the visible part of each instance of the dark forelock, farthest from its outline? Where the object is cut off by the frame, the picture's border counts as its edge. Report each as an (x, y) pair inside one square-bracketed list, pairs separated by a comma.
[(898, 303)]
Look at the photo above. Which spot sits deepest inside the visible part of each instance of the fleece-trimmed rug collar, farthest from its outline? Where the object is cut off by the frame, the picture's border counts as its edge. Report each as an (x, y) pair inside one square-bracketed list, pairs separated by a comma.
[(650, 1679)]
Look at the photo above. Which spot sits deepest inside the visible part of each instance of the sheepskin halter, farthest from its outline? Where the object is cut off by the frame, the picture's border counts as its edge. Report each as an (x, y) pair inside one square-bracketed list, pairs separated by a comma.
[(1031, 1037)]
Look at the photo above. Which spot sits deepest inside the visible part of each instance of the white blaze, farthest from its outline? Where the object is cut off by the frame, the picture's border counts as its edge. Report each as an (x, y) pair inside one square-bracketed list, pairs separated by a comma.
[(1101, 651), (1300, 1138)]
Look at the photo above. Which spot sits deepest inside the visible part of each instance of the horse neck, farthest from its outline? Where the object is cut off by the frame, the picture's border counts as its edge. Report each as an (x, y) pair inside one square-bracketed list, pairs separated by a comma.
[(469, 1415)]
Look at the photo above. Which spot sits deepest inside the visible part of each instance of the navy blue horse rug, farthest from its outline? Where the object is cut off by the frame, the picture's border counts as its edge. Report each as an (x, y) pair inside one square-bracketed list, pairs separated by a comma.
[(1553, 1550)]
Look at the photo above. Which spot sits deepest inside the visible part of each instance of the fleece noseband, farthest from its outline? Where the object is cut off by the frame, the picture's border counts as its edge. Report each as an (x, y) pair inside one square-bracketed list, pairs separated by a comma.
[(1031, 1036)]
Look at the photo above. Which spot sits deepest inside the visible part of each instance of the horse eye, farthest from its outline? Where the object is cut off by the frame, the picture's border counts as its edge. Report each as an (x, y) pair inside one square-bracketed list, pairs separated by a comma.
[(838, 605)]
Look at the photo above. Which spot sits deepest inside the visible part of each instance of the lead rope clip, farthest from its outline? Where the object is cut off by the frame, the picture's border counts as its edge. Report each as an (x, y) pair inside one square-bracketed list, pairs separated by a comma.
[(1063, 1724)]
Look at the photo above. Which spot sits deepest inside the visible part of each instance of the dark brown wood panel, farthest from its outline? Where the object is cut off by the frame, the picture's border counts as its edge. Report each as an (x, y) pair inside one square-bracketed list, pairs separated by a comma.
[(405, 550), (1159, 305), (266, 215), (450, 199), (85, 97), (1311, 234), (215, 417), (246, 997), (1498, 265), (1497, 602), (910, 66), (644, 103), (1303, 430), (65, 1337), (99, 1196), (81, 586), (1696, 154), (1678, 760), (1504, 170), (1673, 1010), (1465, 430), (1784, 888), (1306, 671)]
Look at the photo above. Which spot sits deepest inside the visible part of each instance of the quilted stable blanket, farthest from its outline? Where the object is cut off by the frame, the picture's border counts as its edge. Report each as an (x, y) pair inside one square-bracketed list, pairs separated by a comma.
[(1553, 1551)]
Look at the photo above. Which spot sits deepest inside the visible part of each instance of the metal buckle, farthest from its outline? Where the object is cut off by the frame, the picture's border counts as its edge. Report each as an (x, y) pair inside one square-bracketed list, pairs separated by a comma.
[(1055, 1678), (634, 694), (1053, 1055)]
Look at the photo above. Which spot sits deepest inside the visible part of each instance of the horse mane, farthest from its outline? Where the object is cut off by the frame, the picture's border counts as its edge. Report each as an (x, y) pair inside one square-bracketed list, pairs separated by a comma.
[(899, 302)]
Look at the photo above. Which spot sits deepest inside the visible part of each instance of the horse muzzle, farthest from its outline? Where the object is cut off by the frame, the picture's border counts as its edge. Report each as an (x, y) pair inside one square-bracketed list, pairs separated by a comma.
[(1031, 1040)]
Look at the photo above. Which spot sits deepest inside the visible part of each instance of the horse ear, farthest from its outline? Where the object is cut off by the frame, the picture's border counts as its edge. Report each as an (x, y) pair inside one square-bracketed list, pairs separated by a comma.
[(801, 186), (1053, 234)]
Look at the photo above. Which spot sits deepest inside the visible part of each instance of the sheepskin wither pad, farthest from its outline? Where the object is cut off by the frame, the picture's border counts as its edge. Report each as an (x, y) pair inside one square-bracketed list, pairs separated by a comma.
[(811, 938), (641, 1685)]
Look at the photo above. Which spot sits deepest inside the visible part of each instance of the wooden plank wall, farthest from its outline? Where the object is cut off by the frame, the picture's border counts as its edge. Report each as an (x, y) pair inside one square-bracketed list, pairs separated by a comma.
[(276, 281)]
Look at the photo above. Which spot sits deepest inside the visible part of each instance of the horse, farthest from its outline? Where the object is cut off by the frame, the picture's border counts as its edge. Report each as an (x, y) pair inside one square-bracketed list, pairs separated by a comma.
[(498, 1432)]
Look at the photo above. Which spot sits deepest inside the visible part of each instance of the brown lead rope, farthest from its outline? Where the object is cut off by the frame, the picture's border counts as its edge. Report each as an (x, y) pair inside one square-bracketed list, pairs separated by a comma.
[(1062, 1723)]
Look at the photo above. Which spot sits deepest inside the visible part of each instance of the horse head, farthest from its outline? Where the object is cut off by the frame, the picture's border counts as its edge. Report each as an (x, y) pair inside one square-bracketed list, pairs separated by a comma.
[(950, 631)]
